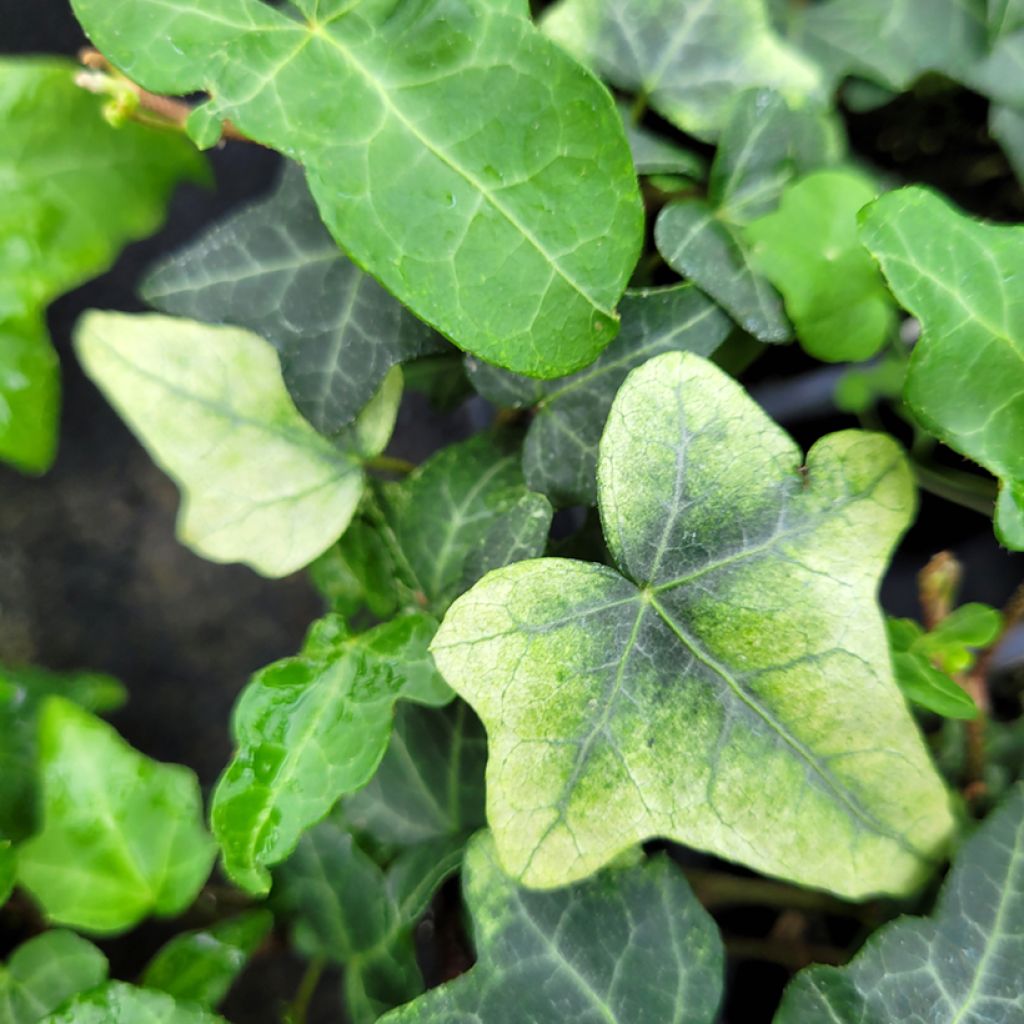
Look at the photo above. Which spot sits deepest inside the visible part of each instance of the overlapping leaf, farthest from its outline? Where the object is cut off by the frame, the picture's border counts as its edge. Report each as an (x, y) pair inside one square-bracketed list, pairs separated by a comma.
[(118, 1003), (311, 728), (730, 686), (60, 162), (122, 835), (960, 966), (259, 484), (965, 380), (654, 154), (458, 155), (632, 944), (275, 270), (560, 451)]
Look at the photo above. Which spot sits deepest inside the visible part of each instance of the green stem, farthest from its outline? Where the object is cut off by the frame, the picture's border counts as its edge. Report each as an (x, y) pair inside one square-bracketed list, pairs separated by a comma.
[(390, 464), (298, 1010), (963, 489)]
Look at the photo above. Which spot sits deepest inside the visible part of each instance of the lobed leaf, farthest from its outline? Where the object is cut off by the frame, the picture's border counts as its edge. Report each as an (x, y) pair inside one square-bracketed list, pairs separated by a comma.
[(730, 686), (118, 1003)]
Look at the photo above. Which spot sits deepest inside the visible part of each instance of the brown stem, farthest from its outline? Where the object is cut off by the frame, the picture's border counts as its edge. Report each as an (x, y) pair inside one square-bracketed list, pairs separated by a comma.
[(938, 583)]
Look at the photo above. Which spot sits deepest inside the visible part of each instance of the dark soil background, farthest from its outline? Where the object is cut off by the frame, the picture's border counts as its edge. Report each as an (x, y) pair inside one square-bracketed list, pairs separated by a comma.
[(92, 577)]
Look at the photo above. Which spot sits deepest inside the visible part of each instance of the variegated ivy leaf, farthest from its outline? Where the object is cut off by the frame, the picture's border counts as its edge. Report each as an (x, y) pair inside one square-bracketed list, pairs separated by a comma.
[(511, 223), (729, 686), (964, 383), (259, 484), (118, 1003), (962, 965), (688, 58), (312, 728), (275, 270), (765, 145), (632, 944), (560, 451)]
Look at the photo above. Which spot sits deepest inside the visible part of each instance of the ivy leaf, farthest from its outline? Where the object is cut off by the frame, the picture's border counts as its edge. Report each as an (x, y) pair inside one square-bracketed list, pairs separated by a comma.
[(514, 235), (688, 58), (764, 146), (960, 965), (122, 835), (958, 277), (201, 966), (45, 971), (560, 451), (118, 1003), (631, 944), (260, 485), (275, 270), (311, 728), (60, 162), (809, 250), (730, 686)]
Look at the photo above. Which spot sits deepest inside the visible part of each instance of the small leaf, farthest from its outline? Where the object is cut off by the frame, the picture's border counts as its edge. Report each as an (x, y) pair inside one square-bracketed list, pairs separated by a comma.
[(960, 965), (275, 270), (122, 835), (259, 485), (953, 640), (958, 277), (311, 728), (730, 687), (45, 971), (809, 250), (201, 966), (632, 944), (560, 452), (688, 58), (928, 688), (118, 1003)]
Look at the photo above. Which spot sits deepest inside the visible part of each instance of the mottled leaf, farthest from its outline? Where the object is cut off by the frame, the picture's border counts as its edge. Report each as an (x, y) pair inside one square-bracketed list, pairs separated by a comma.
[(275, 270), (259, 484), (730, 686), (458, 155), (964, 381), (118, 1003), (560, 451), (201, 966), (60, 162), (311, 728), (122, 835), (688, 58), (632, 944), (960, 966)]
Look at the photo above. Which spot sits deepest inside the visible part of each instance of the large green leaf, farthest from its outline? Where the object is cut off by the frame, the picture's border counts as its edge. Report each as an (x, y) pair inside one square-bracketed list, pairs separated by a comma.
[(201, 966), (259, 484), (730, 686), (311, 728), (632, 944), (560, 451), (808, 248), (459, 156), (118, 1003), (60, 164), (964, 382), (122, 835), (688, 58), (960, 966), (275, 270), (45, 971)]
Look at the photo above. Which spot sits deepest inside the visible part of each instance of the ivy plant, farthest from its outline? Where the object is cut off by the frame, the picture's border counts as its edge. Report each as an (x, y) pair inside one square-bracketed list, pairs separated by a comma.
[(602, 700)]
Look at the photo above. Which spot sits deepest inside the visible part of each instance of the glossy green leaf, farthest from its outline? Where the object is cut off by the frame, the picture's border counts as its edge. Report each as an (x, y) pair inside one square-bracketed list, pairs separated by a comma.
[(122, 835), (311, 728), (201, 966), (810, 251), (632, 944), (458, 156), (730, 686), (960, 966), (953, 640), (764, 146), (118, 1003), (964, 382), (560, 451), (60, 162), (275, 270), (45, 971), (688, 58), (259, 484), (921, 682)]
